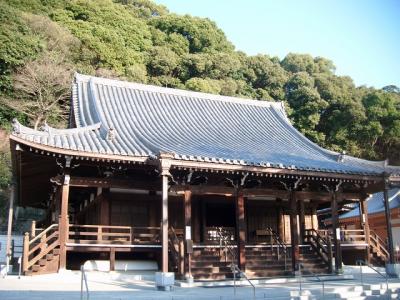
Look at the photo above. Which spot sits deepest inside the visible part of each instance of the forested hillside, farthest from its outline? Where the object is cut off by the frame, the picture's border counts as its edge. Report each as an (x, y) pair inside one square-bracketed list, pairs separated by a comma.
[(42, 42)]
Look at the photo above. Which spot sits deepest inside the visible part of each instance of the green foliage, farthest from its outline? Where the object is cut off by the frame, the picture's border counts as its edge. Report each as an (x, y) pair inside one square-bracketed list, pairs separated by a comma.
[(141, 41), (206, 85), (202, 34), (17, 44)]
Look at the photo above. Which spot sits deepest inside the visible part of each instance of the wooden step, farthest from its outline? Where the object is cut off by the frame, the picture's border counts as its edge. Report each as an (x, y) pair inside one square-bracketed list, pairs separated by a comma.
[(42, 262), (35, 268)]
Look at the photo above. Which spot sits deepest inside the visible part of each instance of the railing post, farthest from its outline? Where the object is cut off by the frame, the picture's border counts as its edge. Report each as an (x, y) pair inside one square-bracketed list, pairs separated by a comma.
[(99, 233), (33, 229), (25, 255)]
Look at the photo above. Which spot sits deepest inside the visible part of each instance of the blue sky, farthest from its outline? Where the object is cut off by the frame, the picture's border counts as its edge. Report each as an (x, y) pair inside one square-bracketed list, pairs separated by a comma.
[(361, 37)]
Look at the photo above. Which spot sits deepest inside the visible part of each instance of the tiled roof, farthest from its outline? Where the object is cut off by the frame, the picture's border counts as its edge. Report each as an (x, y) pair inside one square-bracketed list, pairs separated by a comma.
[(129, 119), (375, 204)]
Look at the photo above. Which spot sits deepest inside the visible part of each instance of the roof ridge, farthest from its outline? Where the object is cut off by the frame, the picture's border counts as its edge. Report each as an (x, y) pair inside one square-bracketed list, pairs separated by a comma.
[(18, 128), (178, 92)]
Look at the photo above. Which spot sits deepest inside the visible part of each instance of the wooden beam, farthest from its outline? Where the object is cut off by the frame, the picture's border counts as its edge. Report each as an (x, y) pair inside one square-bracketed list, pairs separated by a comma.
[(114, 183), (323, 176), (267, 192)]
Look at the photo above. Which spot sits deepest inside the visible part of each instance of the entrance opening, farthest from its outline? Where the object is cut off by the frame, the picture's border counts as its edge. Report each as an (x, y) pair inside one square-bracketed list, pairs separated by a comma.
[(220, 214)]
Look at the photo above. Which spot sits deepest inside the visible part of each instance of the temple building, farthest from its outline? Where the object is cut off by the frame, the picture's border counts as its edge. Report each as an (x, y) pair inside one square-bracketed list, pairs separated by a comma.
[(194, 182)]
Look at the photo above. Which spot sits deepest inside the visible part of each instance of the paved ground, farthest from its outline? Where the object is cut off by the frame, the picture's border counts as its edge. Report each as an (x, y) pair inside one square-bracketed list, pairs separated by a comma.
[(119, 286)]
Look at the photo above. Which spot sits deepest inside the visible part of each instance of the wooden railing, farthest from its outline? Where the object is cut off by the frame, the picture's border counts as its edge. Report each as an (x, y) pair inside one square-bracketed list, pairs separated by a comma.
[(146, 235), (321, 244), (39, 246), (99, 234), (352, 236), (212, 234), (113, 235), (347, 236), (378, 246)]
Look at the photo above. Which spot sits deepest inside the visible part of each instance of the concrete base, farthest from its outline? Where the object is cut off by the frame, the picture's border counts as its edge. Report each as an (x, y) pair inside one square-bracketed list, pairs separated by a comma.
[(393, 270), (165, 281), (262, 281)]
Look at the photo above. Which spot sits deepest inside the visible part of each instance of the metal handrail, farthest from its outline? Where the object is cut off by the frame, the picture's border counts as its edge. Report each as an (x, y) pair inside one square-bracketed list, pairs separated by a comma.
[(279, 243), (314, 275), (227, 244), (360, 262), (84, 279), (235, 269)]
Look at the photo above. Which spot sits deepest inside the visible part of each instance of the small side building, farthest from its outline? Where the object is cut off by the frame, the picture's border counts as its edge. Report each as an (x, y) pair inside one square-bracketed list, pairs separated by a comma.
[(354, 219)]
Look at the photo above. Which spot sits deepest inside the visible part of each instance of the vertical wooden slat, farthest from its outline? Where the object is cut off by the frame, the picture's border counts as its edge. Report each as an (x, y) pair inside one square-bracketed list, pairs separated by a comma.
[(240, 229), (294, 231)]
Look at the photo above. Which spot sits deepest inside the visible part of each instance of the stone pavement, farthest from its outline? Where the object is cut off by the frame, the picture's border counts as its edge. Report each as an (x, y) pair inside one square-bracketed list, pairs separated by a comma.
[(119, 286)]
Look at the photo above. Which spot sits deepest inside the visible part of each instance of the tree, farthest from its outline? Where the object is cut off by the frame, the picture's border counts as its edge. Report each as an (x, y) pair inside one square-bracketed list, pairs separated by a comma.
[(307, 105), (42, 88)]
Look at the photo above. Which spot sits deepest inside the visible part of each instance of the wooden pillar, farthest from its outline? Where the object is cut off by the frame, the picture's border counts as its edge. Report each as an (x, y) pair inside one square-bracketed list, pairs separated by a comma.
[(240, 228), (336, 230), (294, 234), (188, 231), (388, 220), (105, 209), (9, 224), (63, 221), (196, 219), (280, 219), (365, 226), (112, 259), (164, 224), (302, 221), (314, 217)]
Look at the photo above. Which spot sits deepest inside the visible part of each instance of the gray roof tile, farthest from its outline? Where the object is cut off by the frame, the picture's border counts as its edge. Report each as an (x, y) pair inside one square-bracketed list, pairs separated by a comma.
[(194, 126)]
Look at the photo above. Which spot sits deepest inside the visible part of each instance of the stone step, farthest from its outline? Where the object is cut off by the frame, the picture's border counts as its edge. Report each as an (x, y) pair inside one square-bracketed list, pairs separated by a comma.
[(212, 276), (206, 263), (213, 270)]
